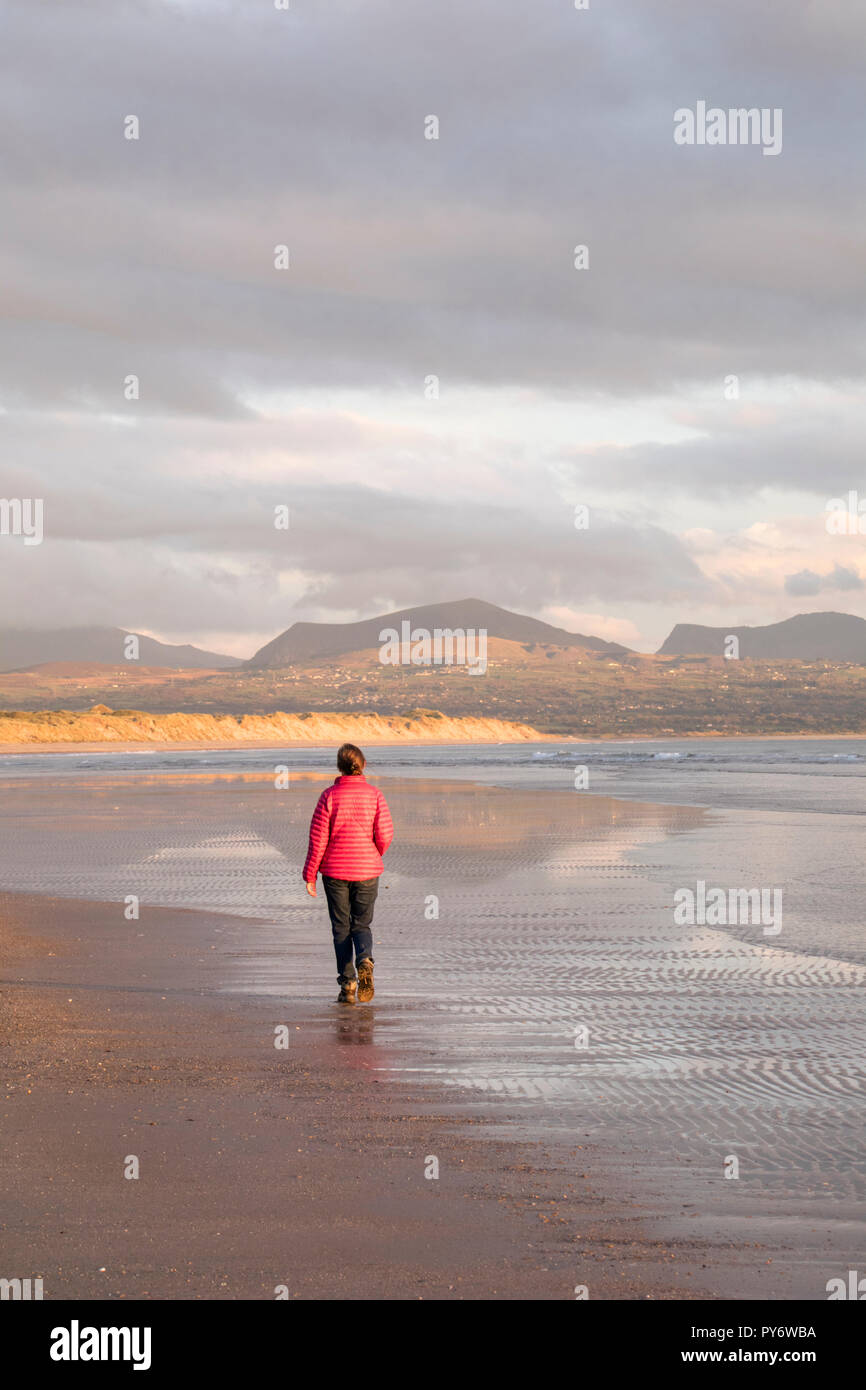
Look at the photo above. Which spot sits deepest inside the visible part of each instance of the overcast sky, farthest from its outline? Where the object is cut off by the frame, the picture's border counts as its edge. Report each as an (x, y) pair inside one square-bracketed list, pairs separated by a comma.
[(412, 258)]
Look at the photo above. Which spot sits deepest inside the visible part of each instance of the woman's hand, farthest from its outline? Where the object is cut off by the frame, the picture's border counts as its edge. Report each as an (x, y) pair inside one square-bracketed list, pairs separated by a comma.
[(311, 887)]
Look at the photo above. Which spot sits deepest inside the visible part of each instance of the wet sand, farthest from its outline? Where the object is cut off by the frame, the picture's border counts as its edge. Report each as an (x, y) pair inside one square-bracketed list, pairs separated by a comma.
[(259, 1167), (558, 1166)]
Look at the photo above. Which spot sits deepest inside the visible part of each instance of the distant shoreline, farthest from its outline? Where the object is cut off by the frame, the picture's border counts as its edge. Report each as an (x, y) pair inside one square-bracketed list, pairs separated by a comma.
[(106, 746), (223, 746)]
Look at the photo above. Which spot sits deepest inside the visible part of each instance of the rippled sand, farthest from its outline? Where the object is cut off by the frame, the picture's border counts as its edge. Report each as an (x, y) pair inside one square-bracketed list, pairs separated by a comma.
[(555, 926)]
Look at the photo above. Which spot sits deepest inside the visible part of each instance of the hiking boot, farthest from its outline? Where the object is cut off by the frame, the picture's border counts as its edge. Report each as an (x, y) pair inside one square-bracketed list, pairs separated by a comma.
[(365, 981), (348, 992)]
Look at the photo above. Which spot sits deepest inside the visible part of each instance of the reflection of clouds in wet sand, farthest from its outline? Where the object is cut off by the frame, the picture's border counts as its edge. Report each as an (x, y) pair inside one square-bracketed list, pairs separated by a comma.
[(487, 831), (235, 844)]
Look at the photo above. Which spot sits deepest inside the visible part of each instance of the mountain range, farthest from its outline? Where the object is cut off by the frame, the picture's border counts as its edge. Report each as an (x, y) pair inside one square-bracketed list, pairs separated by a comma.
[(807, 637)]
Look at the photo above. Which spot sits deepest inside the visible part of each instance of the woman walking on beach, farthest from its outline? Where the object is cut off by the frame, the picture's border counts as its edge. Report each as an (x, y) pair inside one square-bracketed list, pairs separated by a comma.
[(350, 831)]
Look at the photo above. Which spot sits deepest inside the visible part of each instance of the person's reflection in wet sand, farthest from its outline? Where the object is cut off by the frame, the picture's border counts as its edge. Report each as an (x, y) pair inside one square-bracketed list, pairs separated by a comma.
[(355, 1026)]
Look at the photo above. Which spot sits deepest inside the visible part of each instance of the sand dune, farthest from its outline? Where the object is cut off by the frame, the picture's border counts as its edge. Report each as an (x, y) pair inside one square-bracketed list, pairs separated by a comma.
[(103, 725)]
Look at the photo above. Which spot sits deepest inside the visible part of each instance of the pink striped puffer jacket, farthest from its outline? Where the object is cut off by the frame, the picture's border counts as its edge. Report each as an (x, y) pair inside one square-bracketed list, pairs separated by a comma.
[(350, 831)]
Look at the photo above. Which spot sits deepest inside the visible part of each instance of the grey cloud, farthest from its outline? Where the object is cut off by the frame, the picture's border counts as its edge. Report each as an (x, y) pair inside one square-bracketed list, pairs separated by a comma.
[(806, 583), (411, 256), (197, 560), (809, 452)]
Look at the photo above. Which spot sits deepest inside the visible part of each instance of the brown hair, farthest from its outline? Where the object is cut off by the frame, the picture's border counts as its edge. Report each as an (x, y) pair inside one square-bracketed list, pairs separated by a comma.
[(350, 760)]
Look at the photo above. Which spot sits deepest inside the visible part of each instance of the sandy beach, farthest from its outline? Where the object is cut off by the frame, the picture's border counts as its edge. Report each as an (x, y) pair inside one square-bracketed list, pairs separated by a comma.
[(259, 1167), (559, 1165)]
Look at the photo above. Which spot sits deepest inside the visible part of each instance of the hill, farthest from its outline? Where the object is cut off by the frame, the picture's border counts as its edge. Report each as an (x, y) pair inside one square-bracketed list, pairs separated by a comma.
[(806, 637), (22, 649), (304, 642)]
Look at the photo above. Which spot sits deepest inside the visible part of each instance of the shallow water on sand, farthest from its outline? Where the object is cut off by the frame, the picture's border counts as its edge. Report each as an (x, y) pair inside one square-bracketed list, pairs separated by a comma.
[(554, 990), (818, 774)]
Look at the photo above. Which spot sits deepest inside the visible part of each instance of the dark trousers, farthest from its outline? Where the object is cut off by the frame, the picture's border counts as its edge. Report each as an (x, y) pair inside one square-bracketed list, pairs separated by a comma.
[(350, 905)]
